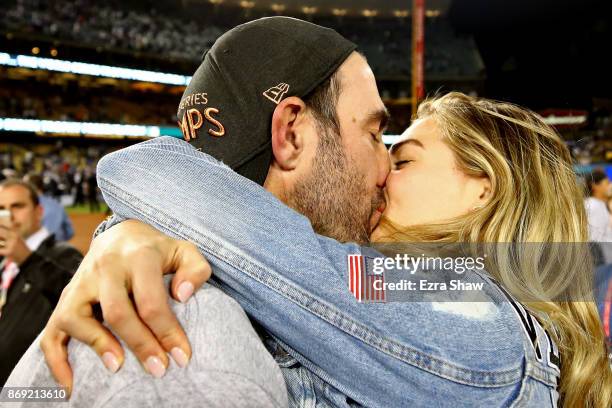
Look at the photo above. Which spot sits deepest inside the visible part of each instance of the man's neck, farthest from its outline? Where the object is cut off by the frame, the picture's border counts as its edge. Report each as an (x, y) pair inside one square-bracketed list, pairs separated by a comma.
[(600, 197), (34, 240), (278, 188)]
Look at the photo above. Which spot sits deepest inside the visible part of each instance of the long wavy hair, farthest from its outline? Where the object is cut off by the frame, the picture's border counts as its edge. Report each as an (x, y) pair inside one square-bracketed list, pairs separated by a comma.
[(535, 199)]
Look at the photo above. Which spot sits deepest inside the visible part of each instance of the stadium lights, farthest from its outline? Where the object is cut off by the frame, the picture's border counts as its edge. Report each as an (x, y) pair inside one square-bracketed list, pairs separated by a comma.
[(82, 68), (401, 13), (369, 13), (565, 120), (339, 12), (247, 4), (309, 10), (86, 128), (278, 8), (390, 139), (103, 129)]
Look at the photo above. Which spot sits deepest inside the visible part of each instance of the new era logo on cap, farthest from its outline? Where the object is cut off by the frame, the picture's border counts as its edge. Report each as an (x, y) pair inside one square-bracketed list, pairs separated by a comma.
[(276, 93)]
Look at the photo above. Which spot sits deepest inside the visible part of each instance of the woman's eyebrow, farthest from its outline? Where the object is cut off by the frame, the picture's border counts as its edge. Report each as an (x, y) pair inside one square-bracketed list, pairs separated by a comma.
[(395, 148)]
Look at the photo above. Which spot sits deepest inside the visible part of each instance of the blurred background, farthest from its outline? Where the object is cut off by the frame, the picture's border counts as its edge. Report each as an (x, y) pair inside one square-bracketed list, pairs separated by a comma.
[(81, 78)]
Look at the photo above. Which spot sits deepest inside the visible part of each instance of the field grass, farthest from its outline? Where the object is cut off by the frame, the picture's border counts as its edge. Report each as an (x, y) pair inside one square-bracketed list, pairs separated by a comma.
[(84, 209), (84, 225)]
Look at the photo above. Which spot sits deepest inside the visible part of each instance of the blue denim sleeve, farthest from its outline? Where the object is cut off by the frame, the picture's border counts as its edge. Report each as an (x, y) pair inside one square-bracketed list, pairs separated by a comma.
[(294, 283)]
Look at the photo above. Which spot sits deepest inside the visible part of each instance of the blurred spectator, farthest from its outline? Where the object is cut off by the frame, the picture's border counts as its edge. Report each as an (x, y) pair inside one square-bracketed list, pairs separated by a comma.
[(55, 219), (35, 269), (603, 296), (79, 189), (598, 186), (600, 227), (62, 169), (91, 188)]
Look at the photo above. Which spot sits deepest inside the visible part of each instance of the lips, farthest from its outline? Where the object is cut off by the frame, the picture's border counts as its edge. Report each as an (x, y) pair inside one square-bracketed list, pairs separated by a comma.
[(377, 215)]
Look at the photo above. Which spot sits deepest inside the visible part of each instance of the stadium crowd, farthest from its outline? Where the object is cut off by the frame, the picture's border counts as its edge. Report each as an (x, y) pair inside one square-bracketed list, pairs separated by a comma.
[(90, 22), (40, 100), (173, 34), (68, 173)]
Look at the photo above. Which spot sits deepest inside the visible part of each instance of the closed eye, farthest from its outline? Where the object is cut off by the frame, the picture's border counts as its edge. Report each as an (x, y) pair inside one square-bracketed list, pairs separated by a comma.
[(401, 163)]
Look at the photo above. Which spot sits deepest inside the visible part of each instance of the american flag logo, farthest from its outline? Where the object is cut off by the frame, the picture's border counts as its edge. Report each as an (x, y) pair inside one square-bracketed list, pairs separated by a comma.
[(361, 284)]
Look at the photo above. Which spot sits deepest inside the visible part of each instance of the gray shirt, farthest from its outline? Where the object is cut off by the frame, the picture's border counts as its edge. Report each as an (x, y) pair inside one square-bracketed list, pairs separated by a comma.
[(230, 367)]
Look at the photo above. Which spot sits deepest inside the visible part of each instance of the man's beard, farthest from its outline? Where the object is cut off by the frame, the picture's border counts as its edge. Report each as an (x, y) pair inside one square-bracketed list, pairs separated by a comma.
[(334, 196)]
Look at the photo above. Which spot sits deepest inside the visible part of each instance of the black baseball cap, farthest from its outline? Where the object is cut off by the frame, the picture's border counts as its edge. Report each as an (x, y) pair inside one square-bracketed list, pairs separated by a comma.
[(226, 110)]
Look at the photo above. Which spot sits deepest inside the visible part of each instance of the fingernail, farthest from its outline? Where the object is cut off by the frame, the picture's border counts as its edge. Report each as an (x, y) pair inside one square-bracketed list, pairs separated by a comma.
[(68, 392), (185, 290), (179, 356), (155, 367), (110, 361)]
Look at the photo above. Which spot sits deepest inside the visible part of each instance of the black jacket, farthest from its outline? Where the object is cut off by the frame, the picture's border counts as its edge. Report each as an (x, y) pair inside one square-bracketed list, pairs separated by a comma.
[(32, 297)]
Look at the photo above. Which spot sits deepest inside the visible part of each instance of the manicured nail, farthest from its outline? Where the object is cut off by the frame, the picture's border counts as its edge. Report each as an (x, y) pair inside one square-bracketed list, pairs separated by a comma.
[(184, 292), (179, 356), (155, 367), (110, 361), (68, 392)]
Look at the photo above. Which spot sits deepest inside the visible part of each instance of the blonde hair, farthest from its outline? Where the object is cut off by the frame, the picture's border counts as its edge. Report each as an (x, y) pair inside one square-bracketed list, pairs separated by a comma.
[(534, 199)]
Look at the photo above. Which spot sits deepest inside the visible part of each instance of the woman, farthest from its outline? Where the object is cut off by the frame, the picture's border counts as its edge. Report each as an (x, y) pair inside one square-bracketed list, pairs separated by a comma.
[(510, 176), (467, 171)]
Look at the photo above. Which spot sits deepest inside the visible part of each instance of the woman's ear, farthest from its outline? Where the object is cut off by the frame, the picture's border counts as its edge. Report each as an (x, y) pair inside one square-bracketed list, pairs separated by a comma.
[(287, 138), (485, 191)]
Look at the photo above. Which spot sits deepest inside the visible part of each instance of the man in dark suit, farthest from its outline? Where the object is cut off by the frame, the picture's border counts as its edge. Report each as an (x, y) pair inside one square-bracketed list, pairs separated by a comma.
[(35, 268)]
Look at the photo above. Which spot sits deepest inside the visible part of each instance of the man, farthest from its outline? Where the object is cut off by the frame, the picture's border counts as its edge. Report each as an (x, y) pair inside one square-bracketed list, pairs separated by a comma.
[(303, 119), (55, 219), (35, 269), (598, 216)]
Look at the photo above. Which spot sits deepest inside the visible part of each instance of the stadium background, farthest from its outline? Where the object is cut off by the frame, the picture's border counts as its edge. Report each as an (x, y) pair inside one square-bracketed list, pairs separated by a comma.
[(66, 97)]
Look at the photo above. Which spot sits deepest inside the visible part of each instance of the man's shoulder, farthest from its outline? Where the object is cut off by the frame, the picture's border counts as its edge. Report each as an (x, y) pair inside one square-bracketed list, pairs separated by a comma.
[(160, 141), (59, 252), (166, 145), (594, 204), (49, 202), (447, 318), (57, 248)]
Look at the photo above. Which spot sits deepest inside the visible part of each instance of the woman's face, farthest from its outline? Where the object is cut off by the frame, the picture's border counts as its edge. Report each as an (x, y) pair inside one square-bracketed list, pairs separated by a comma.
[(425, 184)]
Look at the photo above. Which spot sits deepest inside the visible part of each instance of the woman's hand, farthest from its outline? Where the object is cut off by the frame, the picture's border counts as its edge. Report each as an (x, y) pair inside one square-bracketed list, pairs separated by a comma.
[(129, 258)]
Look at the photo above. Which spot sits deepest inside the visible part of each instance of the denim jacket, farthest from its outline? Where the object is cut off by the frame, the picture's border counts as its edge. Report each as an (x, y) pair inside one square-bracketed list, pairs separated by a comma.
[(334, 350)]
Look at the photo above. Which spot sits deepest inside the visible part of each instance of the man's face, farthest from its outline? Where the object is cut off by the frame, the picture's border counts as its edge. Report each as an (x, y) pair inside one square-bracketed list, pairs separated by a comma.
[(602, 188), (25, 217), (342, 195)]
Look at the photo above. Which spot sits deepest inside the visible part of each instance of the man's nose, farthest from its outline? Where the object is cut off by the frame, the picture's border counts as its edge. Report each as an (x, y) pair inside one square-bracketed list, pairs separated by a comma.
[(384, 167)]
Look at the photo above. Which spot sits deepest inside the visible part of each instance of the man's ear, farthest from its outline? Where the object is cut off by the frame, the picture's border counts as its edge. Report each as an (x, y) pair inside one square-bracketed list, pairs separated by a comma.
[(40, 212), (287, 137)]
